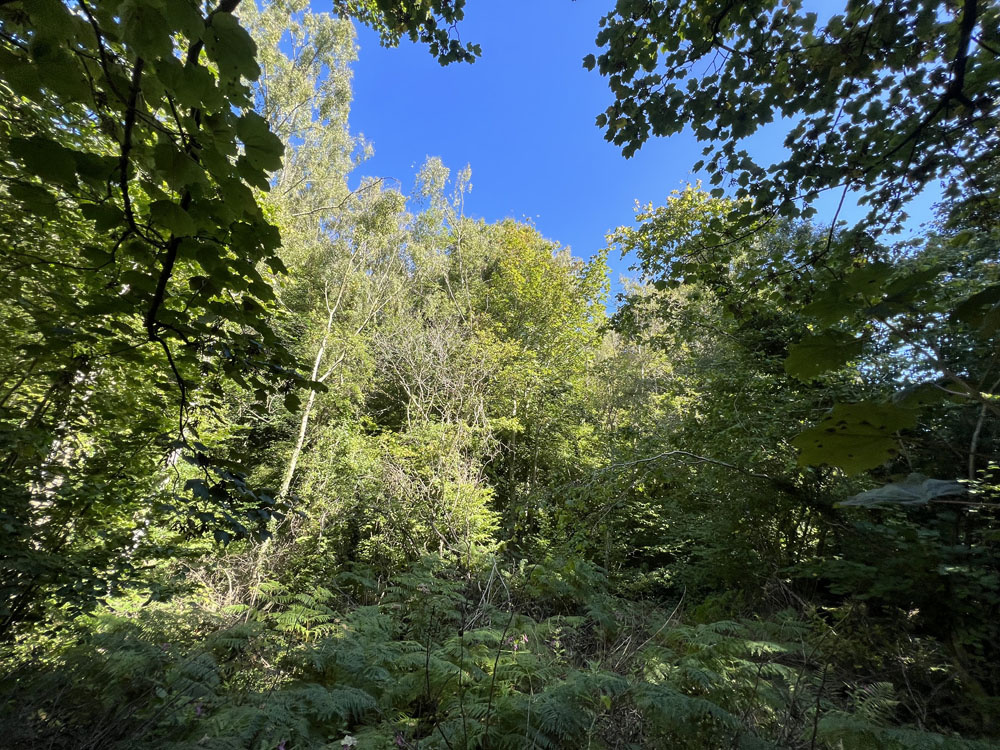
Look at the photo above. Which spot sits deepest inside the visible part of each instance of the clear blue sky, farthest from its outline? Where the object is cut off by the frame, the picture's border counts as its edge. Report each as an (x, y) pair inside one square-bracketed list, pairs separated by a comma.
[(523, 117)]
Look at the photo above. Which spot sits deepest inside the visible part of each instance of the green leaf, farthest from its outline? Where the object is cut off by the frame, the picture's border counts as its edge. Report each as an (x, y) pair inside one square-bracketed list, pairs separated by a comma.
[(981, 310), (820, 353), (198, 488), (854, 437), (253, 176), (20, 74), (239, 198), (177, 168), (168, 214), (223, 537), (95, 255), (95, 168), (184, 16), (913, 285), (920, 395), (830, 307), (46, 159), (869, 279), (104, 215), (62, 73), (146, 30), (232, 49), (191, 85), (138, 281), (53, 17), (263, 148), (36, 199)]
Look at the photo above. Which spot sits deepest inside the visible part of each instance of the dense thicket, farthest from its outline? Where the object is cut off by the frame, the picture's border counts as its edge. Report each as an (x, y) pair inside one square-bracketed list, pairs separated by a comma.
[(290, 465)]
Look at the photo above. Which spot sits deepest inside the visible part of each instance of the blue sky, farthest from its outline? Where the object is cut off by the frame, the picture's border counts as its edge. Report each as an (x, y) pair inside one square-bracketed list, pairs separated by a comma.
[(523, 117)]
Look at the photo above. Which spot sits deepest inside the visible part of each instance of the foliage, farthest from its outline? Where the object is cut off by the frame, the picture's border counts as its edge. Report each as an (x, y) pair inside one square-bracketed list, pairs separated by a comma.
[(140, 270), (439, 662), (750, 504), (889, 96)]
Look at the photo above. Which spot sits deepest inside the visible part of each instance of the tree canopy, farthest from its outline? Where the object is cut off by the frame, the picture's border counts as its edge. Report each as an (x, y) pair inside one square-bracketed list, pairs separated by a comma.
[(290, 464), (884, 97)]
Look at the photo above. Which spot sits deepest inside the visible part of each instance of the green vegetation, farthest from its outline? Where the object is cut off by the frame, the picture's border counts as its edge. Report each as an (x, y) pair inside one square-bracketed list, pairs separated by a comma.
[(286, 465)]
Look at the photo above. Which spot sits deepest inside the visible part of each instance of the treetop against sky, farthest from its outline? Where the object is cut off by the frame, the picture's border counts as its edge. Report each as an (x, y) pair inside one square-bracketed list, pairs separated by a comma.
[(523, 117)]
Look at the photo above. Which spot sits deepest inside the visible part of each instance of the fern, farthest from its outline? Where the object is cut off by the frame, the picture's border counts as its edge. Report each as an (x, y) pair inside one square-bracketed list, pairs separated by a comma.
[(671, 714), (840, 729), (299, 669)]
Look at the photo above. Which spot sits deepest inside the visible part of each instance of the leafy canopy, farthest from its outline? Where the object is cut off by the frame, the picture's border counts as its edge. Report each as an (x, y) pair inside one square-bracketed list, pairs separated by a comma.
[(885, 97)]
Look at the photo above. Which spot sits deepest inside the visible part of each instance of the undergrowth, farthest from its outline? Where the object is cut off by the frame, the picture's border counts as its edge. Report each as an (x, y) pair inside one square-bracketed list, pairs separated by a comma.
[(528, 656)]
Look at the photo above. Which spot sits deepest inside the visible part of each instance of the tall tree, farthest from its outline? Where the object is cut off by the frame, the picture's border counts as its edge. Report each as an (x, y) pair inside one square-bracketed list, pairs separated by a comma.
[(137, 250), (886, 98)]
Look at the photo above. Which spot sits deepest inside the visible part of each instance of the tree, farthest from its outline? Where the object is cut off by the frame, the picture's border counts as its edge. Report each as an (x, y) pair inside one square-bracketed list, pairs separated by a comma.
[(137, 250), (886, 98)]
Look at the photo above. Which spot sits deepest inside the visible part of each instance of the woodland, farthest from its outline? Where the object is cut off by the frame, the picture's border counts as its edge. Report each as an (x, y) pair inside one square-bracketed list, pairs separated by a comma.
[(287, 465)]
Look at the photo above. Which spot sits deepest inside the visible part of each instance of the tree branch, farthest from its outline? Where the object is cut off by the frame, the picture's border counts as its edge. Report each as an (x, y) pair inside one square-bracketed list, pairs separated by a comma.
[(695, 457), (170, 258), (123, 161)]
